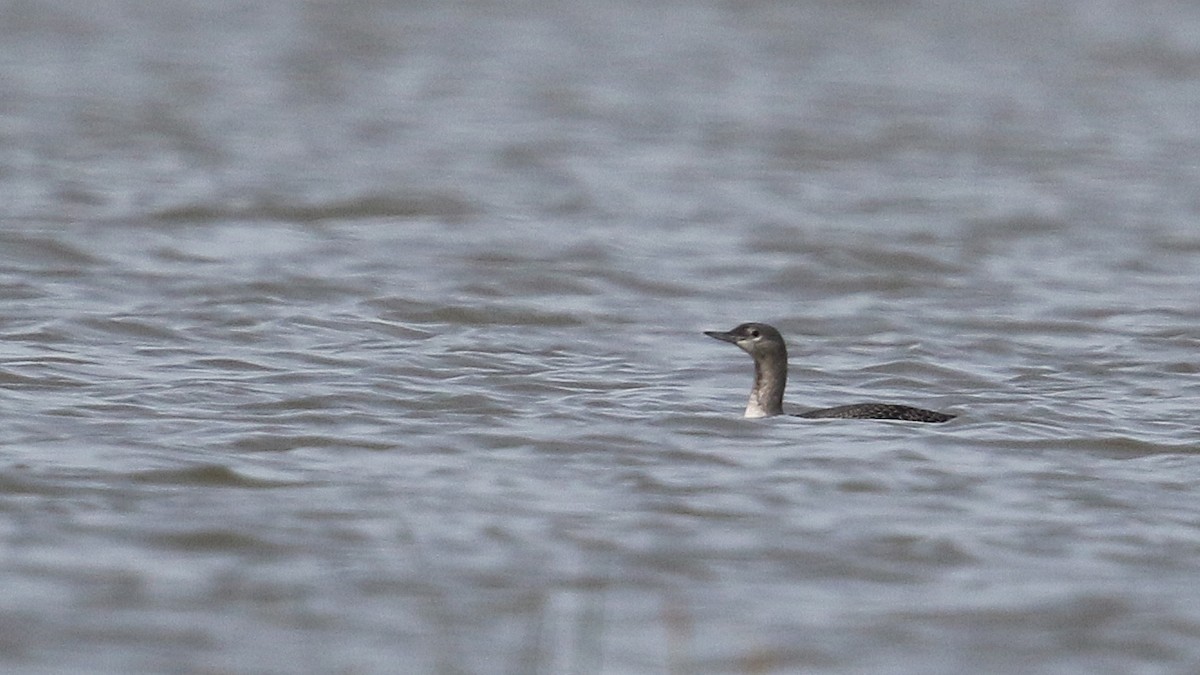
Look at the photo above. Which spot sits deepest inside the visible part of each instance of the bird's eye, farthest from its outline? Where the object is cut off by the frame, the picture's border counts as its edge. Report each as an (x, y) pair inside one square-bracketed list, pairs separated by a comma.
[(754, 332)]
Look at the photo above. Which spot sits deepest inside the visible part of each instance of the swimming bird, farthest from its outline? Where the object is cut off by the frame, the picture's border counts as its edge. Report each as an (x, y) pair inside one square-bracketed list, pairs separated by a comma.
[(766, 345)]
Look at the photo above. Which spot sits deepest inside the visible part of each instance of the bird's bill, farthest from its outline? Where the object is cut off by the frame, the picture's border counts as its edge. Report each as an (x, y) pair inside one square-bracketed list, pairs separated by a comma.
[(723, 336)]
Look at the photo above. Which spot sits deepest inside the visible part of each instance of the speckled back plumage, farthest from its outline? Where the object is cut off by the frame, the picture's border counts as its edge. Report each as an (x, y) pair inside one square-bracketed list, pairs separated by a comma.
[(877, 411)]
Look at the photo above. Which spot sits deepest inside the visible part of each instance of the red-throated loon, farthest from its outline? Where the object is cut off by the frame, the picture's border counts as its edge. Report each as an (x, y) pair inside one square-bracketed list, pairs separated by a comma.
[(765, 344)]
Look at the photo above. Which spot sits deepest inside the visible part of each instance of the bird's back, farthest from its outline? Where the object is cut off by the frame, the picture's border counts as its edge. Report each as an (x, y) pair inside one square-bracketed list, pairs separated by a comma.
[(878, 411)]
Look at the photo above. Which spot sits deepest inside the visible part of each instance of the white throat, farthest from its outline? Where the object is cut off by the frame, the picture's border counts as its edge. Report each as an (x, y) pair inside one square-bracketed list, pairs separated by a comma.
[(754, 409)]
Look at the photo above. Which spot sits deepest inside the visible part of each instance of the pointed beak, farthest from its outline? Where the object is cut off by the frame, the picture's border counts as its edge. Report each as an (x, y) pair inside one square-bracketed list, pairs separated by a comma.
[(723, 336)]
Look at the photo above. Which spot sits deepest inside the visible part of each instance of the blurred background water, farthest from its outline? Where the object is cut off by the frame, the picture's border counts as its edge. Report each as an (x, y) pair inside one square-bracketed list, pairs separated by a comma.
[(365, 337)]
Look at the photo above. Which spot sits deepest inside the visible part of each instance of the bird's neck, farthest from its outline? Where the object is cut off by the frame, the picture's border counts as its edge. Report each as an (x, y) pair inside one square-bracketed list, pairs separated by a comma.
[(770, 378)]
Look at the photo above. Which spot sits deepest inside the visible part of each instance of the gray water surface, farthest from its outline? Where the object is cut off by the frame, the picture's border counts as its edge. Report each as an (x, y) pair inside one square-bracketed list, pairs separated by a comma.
[(367, 337)]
